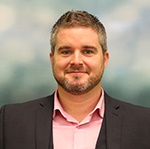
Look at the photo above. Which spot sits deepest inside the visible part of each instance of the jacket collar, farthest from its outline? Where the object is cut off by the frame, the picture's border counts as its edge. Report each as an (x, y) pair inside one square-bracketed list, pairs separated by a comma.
[(44, 116), (113, 120)]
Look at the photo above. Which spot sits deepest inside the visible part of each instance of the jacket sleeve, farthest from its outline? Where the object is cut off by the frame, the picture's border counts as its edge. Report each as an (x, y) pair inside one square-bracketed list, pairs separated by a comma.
[(2, 127)]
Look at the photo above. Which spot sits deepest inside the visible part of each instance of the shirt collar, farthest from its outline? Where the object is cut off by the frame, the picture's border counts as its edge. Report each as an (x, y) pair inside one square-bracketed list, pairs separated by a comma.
[(100, 105)]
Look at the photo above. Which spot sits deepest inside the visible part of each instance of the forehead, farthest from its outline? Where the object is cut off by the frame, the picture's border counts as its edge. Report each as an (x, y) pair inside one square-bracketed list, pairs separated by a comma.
[(77, 34), (77, 38)]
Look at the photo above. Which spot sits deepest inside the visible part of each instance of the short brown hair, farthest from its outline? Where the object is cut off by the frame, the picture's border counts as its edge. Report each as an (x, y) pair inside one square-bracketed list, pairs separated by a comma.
[(79, 18)]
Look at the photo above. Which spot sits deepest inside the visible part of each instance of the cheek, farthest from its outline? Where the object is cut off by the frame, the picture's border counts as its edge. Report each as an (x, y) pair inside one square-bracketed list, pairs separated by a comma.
[(96, 66), (95, 63), (60, 64)]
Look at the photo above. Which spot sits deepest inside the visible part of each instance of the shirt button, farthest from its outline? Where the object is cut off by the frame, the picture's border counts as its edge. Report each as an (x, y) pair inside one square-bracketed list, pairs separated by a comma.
[(78, 127)]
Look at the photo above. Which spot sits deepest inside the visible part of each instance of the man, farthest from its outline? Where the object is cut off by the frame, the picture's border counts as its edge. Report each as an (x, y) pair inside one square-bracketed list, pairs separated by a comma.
[(79, 115)]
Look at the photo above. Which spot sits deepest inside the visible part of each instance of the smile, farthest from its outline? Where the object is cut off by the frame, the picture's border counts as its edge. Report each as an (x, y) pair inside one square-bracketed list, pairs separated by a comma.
[(76, 71)]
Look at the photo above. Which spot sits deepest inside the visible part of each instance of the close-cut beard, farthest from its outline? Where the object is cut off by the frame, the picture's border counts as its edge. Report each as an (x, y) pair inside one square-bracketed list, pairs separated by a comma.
[(76, 88)]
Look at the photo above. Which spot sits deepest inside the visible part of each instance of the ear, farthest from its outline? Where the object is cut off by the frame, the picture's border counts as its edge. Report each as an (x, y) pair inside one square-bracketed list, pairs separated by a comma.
[(51, 57), (106, 59)]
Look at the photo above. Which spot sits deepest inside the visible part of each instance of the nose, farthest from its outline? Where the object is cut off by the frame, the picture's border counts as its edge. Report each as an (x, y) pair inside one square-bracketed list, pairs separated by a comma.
[(77, 58)]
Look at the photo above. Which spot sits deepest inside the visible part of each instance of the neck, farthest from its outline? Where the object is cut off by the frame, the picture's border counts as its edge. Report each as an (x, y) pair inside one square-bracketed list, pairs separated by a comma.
[(79, 106)]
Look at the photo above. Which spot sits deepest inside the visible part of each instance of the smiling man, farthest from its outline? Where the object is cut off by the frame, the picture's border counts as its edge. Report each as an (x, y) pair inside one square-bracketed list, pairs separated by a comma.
[(80, 114), (78, 65)]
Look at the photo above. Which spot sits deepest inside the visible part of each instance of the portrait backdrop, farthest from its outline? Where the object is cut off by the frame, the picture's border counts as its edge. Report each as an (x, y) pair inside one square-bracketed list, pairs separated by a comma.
[(25, 71)]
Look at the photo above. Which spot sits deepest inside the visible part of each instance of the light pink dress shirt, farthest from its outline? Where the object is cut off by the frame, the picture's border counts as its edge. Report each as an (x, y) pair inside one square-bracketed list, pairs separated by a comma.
[(69, 134)]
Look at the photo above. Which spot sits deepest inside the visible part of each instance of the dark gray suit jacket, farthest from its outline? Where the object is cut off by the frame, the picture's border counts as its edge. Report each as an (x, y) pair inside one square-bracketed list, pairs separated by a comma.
[(29, 125)]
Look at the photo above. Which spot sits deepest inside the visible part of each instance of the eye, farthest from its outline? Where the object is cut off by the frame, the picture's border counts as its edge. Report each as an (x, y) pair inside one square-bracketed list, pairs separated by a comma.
[(88, 52), (65, 52)]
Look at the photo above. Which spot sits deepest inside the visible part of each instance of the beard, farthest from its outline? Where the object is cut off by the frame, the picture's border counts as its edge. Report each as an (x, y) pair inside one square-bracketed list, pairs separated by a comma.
[(74, 87)]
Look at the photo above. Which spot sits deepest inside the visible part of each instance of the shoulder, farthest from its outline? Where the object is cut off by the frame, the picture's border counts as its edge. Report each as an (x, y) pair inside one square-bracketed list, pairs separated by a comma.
[(128, 109), (29, 105)]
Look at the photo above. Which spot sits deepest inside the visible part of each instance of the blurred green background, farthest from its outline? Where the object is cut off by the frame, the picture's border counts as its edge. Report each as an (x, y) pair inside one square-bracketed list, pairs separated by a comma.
[(25, 71)]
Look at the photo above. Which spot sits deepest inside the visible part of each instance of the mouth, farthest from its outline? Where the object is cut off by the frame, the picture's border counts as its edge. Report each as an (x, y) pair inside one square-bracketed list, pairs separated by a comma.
[(76, 73)]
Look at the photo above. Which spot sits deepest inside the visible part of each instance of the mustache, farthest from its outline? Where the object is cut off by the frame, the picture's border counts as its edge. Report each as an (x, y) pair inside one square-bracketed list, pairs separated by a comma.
[(76, 69)]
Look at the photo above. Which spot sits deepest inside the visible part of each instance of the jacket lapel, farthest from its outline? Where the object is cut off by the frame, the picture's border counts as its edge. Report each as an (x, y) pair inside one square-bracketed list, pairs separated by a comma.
[(44, 116), (113, 127), (113, 120)]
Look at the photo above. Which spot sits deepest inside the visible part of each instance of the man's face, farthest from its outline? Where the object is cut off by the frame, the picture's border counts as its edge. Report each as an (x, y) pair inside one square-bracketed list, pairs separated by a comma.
[(78, 61)]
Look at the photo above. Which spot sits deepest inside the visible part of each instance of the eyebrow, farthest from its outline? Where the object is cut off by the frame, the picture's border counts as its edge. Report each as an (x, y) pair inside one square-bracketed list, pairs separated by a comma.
[(63, 47), (90, 47), (83, 47)]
